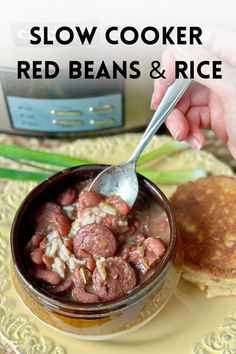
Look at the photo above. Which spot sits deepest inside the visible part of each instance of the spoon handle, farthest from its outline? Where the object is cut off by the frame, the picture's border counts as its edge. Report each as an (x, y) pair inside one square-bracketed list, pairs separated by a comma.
[(171, 97)]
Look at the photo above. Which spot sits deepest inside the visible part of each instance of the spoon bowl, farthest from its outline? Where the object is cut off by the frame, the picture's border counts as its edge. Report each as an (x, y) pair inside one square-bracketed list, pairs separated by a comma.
[(122, 179)]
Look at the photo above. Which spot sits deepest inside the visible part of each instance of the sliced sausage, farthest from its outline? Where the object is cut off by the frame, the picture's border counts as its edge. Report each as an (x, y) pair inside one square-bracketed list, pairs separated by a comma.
[(119, 279), (67, 197), (95, 239), (50, 217), (155, 249), (65, 285), (89, 199), (48, 276), (80, 295), (37, 256)]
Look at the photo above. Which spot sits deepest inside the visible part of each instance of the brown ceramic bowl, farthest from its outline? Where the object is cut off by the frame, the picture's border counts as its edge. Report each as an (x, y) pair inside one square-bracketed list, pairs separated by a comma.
[(106, 319)]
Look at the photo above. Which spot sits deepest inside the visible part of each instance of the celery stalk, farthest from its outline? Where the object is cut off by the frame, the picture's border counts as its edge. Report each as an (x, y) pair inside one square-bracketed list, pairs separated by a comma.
[(22, 153), (173, 177), (161, 151)]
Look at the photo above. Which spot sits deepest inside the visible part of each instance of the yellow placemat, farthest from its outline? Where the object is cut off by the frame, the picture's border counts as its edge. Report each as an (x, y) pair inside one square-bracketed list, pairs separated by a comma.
[(189, 323)]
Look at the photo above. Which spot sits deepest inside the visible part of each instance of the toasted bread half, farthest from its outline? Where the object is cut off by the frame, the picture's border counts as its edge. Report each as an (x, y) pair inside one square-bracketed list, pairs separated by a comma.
[(206, 217)]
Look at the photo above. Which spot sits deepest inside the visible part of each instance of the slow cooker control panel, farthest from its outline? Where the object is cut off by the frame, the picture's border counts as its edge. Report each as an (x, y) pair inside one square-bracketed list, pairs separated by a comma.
[(66, 115)]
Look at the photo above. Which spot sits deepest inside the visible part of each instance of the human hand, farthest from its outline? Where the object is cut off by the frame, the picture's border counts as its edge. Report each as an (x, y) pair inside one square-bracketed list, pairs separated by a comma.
[(207, 103)]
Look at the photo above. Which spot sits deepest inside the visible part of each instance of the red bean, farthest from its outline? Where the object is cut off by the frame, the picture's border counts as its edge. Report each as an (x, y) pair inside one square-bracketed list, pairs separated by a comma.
[(50, 217), (36, 256), (124, 251), (82, 253), (48, 261), (34, 242), (62, 224), (89, 199), (80, 295), (119, 280), (48, 276), (111, 222), (67, 197), (156, 245), (43, 244), (136, 239), (91, 264), (65, 285), (68, 243), (155, 249), (95, 239), (119, 204)]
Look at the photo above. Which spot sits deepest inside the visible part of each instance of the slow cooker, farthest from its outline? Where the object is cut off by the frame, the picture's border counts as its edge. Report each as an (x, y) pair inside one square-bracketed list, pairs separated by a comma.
[(65, 107)]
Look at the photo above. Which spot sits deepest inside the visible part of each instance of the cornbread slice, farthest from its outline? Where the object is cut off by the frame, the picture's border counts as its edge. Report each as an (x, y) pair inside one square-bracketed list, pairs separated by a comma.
[(206, 217)]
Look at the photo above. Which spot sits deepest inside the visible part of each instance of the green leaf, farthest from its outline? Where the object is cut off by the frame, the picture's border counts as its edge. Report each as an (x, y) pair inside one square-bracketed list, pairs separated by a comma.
[(162, 151), (33, 165), (10, 173), (173, 177), (22, 153)]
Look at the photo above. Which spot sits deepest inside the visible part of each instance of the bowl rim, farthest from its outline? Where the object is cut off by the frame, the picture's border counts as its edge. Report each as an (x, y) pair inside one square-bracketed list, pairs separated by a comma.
[(57, 302)]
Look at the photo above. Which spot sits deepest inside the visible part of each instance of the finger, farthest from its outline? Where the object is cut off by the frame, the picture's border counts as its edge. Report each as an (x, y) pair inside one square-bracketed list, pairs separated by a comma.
[(224, 88), (161, 84), (177, 124), (168, 64), (217, 117), (207, 118), (199, 94), (200, 116), (195, 138), (230, 119)]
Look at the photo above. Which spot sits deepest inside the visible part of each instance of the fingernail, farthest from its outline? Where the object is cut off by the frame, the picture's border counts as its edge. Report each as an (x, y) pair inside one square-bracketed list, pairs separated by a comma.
[(177, 133), (194, 143), (174, 128)]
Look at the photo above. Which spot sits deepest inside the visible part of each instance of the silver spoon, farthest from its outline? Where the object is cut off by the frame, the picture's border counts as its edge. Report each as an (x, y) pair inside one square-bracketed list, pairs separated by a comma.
[(122, 179)]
